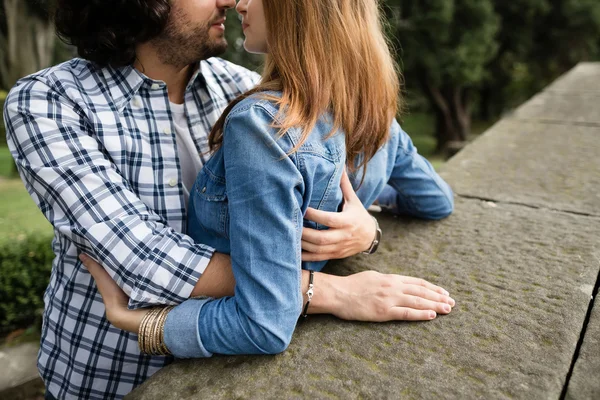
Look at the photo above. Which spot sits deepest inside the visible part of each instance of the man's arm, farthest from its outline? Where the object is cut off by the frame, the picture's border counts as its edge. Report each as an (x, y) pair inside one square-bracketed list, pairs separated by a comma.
[(88, 201)]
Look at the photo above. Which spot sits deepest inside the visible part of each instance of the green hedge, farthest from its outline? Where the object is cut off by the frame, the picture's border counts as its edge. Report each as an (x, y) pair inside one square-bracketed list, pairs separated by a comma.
[(25, 266), (2, 131)]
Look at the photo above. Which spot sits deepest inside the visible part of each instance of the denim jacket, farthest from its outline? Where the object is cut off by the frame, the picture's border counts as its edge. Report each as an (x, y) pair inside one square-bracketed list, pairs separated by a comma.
[(249, 201)]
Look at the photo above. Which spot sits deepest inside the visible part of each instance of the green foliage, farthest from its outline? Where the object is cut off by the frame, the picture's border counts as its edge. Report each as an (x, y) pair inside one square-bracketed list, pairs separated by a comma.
[(3, 95), (25, 266), (6, 163), (538, 41), (448, 41), (19, 215), (235, 51), (25, 255)]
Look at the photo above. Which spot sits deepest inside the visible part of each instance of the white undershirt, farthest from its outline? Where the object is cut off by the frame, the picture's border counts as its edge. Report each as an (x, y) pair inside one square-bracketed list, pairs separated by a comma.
[(189, 160)]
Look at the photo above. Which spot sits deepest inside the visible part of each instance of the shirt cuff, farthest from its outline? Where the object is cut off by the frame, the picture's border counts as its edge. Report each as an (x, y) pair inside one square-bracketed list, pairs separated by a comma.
[(182, 335), (160, 286)]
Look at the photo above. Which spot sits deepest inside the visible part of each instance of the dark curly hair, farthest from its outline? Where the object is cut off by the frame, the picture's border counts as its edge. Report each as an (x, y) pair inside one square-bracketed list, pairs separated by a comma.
[(107, 31)]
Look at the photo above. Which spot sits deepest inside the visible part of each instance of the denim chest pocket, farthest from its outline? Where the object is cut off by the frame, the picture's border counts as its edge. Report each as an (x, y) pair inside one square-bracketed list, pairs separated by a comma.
[(210, 203)]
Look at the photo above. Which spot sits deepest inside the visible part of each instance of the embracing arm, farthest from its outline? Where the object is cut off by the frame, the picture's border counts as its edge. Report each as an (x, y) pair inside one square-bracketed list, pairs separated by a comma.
[(265, 196), (264, 190), (88, 201)]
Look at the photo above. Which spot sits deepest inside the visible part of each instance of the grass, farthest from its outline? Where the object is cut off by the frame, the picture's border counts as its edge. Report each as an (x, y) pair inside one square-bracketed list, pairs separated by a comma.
[(5, 162), (19, 216), (421, 128)]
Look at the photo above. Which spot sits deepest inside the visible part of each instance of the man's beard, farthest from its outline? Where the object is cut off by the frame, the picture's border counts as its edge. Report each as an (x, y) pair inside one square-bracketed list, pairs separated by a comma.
[(178, 47)]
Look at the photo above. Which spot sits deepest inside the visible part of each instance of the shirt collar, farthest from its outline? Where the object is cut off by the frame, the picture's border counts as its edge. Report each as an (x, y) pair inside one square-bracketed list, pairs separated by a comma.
[(125, 82)]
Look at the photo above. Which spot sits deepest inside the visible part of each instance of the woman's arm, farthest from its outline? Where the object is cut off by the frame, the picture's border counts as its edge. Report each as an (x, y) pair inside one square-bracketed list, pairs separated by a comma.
[(414, 188), (366, 296), (417, 189), (265, 197)]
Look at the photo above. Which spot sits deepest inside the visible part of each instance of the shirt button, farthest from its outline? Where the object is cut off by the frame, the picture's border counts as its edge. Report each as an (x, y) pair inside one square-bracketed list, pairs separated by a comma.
[(137, 103), (155, 86), (167, 130), (173, 182)]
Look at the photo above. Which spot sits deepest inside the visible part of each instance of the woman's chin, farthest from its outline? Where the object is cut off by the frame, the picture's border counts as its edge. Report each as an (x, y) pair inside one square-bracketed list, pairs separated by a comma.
[(253, 49)]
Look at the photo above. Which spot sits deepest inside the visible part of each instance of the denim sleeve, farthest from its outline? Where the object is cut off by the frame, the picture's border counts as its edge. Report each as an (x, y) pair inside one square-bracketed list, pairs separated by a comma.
[(264, 190), (414, 188)]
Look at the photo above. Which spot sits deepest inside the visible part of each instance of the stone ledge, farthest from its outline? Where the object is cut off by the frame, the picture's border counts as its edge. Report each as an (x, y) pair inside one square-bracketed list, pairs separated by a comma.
[(20, 376), (522, 279), (583, 78), (521, 271), (585, 381), (531, 163)]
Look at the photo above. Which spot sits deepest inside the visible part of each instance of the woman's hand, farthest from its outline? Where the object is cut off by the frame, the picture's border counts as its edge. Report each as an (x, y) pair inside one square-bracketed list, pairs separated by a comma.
[(350, 232), (376, 297), (115, 300)]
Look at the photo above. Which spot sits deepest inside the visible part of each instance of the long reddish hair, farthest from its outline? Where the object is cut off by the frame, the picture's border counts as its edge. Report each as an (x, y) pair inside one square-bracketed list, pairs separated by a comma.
[(329, 56)]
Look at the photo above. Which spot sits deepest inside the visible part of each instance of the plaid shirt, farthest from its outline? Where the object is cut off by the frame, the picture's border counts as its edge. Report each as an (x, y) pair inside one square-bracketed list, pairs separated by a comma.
[(96, 149)]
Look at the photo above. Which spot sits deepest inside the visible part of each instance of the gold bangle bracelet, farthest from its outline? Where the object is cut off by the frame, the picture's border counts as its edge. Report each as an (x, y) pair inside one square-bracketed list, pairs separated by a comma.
[(151, 333)]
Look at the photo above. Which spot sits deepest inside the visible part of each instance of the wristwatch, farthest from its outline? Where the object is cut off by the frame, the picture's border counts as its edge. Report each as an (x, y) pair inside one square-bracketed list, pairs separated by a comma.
[(377, 239)]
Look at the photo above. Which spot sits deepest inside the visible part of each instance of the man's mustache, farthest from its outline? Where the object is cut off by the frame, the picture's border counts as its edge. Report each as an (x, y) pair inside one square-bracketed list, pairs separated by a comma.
[(220, 16)]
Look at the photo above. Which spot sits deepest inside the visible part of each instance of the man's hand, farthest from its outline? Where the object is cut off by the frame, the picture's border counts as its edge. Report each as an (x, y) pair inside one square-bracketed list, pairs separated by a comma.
[(350, 231)]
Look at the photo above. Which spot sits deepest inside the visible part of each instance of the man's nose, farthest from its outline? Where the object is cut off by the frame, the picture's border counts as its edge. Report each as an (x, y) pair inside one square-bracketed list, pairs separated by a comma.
[(225, 3)]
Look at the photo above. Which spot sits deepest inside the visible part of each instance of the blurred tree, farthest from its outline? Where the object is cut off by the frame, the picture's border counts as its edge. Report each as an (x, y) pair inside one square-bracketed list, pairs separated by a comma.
[(445, 47), (538, 41), (569, 34), (235, 51), (27, 40), (509, 78)]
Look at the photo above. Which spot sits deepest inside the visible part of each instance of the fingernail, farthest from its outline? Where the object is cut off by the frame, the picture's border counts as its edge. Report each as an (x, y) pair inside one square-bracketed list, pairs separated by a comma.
[(451, 302), (432, 314), (446, 293), (447, 308)]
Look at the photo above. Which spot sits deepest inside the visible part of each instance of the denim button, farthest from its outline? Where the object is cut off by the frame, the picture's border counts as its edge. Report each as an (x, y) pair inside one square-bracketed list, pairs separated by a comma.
[(204, 189)]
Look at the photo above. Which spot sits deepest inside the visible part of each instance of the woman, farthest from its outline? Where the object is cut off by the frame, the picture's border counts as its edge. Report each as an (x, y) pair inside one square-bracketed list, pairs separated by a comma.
[(326, 103)]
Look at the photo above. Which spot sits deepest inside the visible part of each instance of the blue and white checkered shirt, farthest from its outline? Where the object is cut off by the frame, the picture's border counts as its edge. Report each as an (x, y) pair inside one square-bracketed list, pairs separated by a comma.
[(96, 149)]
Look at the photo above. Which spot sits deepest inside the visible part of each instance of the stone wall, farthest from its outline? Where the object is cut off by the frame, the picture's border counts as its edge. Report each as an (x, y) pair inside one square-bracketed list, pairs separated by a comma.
[(520, 255)]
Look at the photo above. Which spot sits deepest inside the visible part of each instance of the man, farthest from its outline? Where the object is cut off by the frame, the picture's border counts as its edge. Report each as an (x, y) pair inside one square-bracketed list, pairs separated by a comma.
[(109, 147)]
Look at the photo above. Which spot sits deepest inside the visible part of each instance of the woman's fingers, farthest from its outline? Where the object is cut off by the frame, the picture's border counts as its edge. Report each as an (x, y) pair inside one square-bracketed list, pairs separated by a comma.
[(419, 303), (410, 314), (322, 249), (425, 293), (323, 237), (422, 282), (111, 293)]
